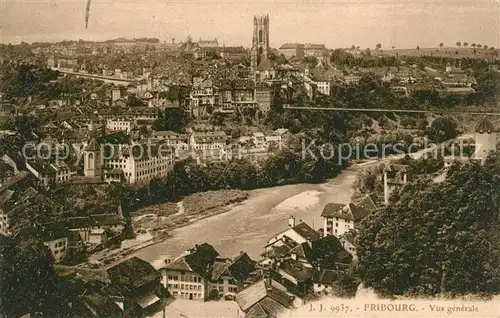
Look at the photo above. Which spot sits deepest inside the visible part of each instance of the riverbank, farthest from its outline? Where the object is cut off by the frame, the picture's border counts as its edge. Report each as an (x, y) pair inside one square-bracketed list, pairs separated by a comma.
[(162, 218), (249, 224)]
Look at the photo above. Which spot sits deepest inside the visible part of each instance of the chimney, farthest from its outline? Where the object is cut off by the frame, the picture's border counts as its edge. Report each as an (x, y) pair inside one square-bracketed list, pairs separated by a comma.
[(300, 221), (269, 282), (291, 221), (241, 252)]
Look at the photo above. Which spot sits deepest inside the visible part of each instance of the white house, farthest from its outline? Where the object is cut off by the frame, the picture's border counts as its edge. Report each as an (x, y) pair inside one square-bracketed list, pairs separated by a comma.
[(118, 124), (298, 233), (136, 163), (340, 218)]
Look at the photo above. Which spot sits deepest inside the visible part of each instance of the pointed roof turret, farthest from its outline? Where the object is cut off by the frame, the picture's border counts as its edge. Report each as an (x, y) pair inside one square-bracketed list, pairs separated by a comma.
[(93, 145), (484, 125)]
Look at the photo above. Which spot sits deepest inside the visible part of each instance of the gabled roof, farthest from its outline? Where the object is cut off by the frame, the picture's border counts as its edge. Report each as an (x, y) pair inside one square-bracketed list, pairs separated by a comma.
[(241, 268), (296, 269), (93, 145), (280, 131), (101, 305), (14, 180), (4, 197), (79, 222), (254, 295), (199, 260), (367, 203), (106, 219), (42, 166), (18, 209), (347, 212), (307, 232), (325, 276), (291, 46), (484, 125), (218, 268), (132, 274), (331, 208)]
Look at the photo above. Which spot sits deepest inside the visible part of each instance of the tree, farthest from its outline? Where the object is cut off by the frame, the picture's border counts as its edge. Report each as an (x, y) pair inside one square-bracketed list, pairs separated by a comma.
[(479, 46), (473, 45), (173, 119), (28, 280), (488, 88), (485, 47), (378, 46), (442, 128), (441, 45), (466, 44), (459, 44), (430, 246), (418, 48)]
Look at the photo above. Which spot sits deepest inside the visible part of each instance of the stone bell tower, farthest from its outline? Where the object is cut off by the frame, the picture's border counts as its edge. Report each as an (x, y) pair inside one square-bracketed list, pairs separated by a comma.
[(260, 42)]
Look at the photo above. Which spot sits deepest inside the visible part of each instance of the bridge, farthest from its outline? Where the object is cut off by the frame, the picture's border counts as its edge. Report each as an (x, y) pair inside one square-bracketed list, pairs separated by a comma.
[(106, 79), (386, 110)]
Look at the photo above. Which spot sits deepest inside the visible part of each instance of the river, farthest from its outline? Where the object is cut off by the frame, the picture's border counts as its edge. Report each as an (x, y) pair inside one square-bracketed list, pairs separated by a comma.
[(248, 226)]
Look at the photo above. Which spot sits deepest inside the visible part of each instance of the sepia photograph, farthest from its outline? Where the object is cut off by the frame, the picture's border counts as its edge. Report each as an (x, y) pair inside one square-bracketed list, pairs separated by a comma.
[(249, 159)]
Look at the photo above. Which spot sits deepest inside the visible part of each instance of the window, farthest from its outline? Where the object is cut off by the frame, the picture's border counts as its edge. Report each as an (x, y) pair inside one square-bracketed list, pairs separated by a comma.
[(336, 225), (221, 289), (199, 287), (182, 286)]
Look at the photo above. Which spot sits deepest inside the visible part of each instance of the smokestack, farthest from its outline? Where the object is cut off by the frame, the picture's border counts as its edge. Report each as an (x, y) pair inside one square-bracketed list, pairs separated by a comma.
[(291, 221), (268, 283)]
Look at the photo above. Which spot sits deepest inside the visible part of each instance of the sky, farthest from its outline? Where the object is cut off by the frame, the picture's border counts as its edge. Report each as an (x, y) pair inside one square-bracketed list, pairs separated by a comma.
[(335, 23)]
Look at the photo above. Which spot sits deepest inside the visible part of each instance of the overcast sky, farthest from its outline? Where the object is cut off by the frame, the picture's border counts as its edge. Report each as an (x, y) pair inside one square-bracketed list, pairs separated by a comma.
[(402, 23)]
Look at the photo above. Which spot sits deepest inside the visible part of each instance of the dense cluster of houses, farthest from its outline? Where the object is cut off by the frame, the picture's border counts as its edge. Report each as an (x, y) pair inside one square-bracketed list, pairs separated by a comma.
[(91, 153), (23, 210), (296, 264)]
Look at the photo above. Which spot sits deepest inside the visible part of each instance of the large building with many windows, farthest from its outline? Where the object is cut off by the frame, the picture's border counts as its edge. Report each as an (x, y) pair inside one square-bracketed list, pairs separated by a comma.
[(200, 274), (129, 163)]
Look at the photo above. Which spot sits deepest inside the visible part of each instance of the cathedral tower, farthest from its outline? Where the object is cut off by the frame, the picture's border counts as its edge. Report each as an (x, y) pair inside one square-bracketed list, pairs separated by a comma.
[(260, 42)]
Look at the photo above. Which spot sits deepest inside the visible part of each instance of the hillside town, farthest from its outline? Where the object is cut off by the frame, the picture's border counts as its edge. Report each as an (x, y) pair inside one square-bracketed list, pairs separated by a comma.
[(112, 149)]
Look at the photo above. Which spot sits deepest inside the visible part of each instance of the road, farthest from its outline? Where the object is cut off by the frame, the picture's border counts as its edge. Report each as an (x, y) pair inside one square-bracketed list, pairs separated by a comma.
[(248, 226)]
